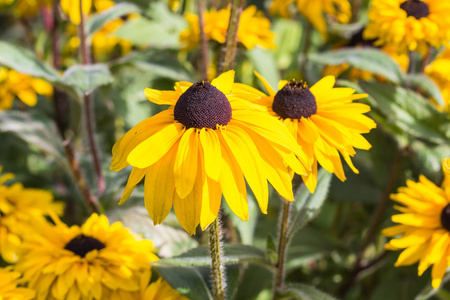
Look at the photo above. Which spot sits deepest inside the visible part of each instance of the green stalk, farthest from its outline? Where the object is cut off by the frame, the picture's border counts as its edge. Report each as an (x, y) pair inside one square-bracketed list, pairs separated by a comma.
[(204, 55), (216, 260), (231, 42)]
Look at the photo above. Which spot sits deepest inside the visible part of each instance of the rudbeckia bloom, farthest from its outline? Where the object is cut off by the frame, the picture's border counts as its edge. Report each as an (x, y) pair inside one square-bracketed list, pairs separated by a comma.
[(409, 25), (323, 120), (424, 226), (9, 289), (315, 10), (94, 261), (20, 209), (439, 72), (254, 29), (25, 87), (159, 289), (202, 146)]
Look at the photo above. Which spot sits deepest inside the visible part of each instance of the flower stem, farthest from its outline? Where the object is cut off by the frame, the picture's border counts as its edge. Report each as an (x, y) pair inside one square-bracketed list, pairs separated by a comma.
[(204, 55), (216, 260), (231, 42), (282, 246), (60, 107), (89, 109), (306, 45)]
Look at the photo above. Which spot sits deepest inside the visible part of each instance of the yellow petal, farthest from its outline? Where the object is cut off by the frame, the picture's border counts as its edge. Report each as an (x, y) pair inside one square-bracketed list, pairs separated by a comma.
[(438, 271), (269, 89), (28, 97), (282, 83), (162, 97), (323, 86), (42, 87), (211, 194), (224, 82), (153, 148), (135, 177), (188, 210), (411, 255), (310, 179), (211, 151), (185, 167)]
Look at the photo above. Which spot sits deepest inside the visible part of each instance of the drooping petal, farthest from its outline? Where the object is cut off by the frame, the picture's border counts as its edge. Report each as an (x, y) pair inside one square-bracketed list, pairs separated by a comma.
[(224, 82), (188, 210), (135, 177), (185, 167), (162, 97), (323, 86), (269, 89), (211, 152)]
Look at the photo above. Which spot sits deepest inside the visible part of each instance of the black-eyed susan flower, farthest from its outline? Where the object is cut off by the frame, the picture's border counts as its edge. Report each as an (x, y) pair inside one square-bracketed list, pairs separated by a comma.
[(20, 209), (439, 72), (9, 289), (254, 28), (409, 25), (315, 11), (72, 9), (94, 261), (25, 87), (323, 120), (203, 146), (423, 226)]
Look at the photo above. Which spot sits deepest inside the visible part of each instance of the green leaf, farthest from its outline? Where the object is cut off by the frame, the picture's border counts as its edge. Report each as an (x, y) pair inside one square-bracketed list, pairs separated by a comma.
[(371, 60), (409, 111), (308, 205), (231, 254), (97, 21), (186, 280), (86, 78), (36, 131), (271, 249), (265, 65), (288, 35), (426, 84), (301, 291)]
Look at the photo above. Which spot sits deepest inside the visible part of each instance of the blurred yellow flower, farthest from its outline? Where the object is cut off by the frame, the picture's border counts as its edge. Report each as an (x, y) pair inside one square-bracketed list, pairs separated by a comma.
[(9, 289), (208, 140), (424, 226), (439, 72), (409, 25), (25, 8), (72, 9), (323, 120), (20, 209), (25, 87), (315, 11), (94, 261), (254, 29), (158, 290)]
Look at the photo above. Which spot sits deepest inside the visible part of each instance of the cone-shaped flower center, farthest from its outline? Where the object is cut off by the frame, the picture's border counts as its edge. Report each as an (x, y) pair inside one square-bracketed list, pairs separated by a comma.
[(445, 217), (81, 245), (202, 105), (415, 8), (294, 101)]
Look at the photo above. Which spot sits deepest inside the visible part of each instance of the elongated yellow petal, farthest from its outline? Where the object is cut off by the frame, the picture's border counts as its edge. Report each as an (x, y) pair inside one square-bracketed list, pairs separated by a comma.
[(249, 160), (439, 269), (323, 86), (211, 195), (212, 153), (153, 148), (185, 167), (135, 177), (310, 179), (411, 255), (188, 210), (162, 97), (282, 83), (233, 185), (159, 187), (224, 82), (269, 89), (28, 97), (415, 237)]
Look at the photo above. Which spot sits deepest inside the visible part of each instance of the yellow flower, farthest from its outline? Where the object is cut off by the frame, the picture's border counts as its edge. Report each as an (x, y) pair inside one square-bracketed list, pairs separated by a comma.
[(203, 145), (25, 8), (94, 261), (159, 289), (424, 226), (439, 72), (23, 86), (8, 286), (409, 25), (315, 10), (254, 29), (103, 41), (72, 9), (323, 120), (20, 209)]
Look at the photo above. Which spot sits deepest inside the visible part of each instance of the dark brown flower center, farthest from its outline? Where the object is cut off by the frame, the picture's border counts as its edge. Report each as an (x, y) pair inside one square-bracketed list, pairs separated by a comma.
[(415, 8), (294, 101), (82, 244), (202, 105), (445, 217)]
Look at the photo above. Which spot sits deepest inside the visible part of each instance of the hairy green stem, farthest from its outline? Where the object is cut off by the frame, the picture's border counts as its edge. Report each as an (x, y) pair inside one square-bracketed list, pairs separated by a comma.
[(282, 246), (306, 46), (89, 109), (204, 55), (215, 246), (231, 42)]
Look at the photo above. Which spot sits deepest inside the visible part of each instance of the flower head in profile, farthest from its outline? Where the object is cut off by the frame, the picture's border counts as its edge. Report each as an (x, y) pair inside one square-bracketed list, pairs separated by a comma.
[(94, 261), (20, 209), (203, 146), (323, 120), (409, 25), (315, 11), (23, 86), (439, 72), (9, 289), (423, 230), (254, 29)]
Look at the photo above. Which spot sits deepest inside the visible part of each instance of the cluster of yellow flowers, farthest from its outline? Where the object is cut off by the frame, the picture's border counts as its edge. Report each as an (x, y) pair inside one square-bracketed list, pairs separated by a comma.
[(98, 260)]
